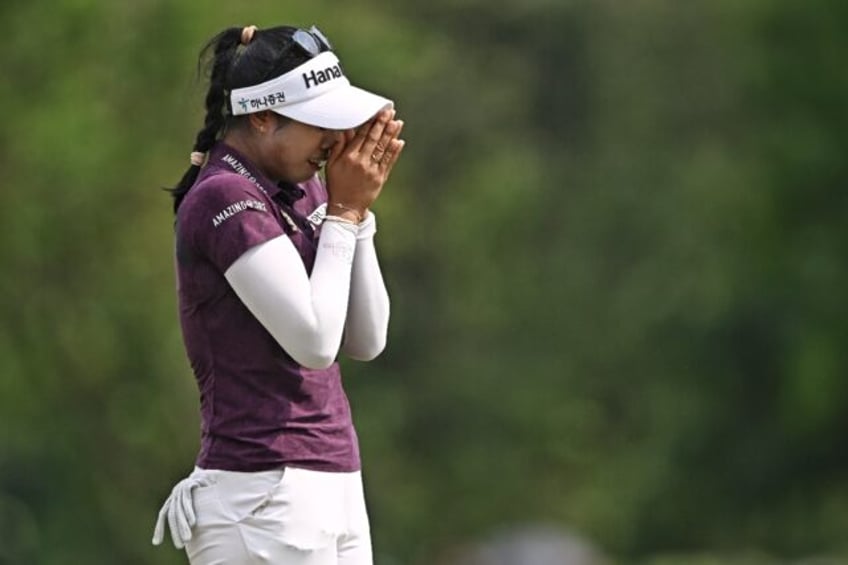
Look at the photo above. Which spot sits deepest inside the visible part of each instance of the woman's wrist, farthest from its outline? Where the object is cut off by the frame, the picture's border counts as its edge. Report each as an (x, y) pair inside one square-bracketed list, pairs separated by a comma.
[(367, 227), (344, 211), (346, 223)]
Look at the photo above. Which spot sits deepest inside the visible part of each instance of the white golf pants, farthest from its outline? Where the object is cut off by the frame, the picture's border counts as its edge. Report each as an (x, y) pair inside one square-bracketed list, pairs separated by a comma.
[(286, 517)]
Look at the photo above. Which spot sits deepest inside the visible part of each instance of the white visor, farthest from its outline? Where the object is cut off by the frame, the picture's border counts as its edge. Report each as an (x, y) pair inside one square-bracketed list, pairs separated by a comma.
[(315, 93)]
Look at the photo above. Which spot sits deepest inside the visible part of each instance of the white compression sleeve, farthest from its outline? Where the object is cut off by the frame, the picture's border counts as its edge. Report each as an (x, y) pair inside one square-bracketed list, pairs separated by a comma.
[(368, 306), (306, 315)]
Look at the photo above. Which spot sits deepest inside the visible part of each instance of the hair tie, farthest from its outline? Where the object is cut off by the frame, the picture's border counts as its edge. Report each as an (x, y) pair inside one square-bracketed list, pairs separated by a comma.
[(247, 34), (197, 158)]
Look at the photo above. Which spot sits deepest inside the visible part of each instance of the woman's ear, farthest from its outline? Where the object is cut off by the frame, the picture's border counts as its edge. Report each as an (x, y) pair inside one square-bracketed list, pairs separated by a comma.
[(263, 121)]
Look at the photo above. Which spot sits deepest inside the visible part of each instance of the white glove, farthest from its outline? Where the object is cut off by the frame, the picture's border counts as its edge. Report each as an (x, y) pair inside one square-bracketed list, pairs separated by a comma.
[(179, 511)]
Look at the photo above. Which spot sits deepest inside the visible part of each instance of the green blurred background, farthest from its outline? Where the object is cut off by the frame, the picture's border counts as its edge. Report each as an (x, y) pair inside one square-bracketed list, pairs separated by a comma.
[(616, 247)]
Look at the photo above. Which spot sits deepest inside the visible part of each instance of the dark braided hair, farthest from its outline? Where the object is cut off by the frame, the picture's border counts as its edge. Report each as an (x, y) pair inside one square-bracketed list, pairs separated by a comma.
[(229, 65)]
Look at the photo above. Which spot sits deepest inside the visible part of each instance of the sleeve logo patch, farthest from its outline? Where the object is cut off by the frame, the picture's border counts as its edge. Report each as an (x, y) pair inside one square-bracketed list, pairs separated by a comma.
[(235, 208)]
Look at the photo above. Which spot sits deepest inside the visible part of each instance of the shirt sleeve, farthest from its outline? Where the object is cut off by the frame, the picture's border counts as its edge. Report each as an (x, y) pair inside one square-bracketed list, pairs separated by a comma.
[(305, 314), (226, 216), (368, 306)]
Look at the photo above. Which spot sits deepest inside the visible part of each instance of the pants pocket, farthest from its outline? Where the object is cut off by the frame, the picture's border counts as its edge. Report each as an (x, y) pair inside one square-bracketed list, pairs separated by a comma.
[(304, 511)]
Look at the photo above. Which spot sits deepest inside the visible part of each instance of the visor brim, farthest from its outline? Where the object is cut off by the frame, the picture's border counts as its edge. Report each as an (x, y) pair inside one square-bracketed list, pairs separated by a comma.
[(344, 107)]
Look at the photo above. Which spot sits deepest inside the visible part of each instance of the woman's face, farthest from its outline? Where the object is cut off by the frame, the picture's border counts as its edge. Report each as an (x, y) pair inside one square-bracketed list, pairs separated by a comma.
[(293, 151)]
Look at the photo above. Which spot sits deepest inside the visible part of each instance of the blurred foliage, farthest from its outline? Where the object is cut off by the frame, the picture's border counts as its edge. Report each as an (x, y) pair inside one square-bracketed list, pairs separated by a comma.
[(615, 245)]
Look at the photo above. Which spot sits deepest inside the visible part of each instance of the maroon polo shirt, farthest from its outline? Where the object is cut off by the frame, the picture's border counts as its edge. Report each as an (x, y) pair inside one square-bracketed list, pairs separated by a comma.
[(259, 408)]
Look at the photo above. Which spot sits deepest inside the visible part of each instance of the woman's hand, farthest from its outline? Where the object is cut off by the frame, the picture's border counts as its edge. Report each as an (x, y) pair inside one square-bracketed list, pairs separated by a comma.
[(360, 163)]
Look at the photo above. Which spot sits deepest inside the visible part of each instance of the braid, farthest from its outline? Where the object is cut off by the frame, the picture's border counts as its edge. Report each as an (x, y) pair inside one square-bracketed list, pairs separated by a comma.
[(225, 46)]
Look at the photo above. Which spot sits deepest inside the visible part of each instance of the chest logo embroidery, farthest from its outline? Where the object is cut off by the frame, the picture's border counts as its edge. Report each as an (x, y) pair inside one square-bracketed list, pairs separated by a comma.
[(235, 208)]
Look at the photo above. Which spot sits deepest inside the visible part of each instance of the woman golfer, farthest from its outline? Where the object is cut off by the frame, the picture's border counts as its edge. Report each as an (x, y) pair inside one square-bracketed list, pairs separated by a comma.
[(277, 274)]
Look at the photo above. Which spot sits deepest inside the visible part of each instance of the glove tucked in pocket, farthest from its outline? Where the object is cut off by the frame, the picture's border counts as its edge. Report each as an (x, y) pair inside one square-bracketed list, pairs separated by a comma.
[(178, 511)]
